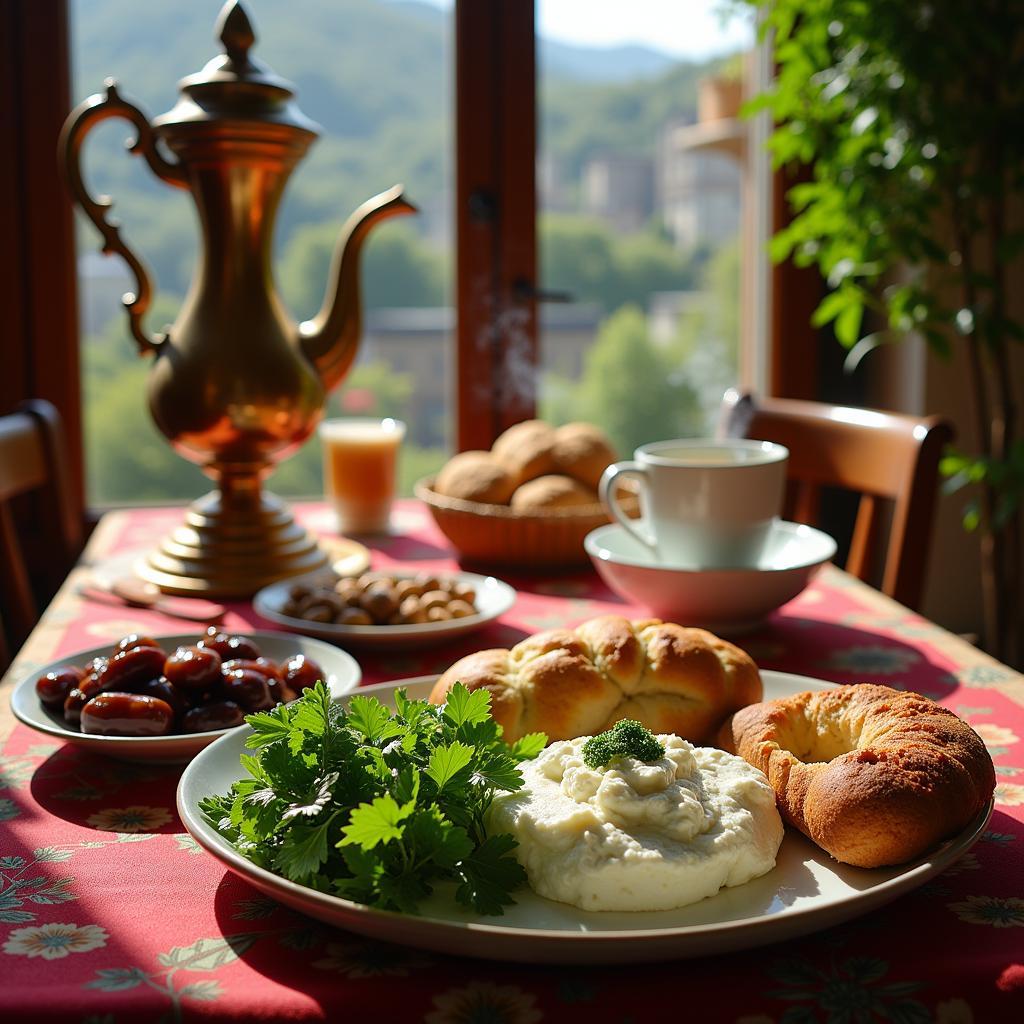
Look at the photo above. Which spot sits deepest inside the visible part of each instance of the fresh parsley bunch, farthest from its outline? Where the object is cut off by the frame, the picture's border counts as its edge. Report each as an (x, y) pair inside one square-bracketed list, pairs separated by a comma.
[(374, 805)]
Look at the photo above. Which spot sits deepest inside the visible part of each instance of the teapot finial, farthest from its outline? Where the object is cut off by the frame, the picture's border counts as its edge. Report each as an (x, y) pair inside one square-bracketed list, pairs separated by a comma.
[(235, 31)]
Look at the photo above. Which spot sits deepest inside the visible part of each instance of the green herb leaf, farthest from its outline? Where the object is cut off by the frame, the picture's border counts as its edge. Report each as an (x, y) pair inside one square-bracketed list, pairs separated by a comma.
[(371, 719), (489, 874), (376, 822), (304, 853), (529, 746), (446, 763), (465, 708)]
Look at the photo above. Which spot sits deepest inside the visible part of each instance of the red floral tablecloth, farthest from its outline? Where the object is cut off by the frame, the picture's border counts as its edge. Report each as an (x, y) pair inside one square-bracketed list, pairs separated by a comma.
[(110, 913)]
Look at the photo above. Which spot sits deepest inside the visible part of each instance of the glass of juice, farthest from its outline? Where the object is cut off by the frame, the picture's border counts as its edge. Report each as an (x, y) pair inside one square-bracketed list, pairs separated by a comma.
[(360, 457)]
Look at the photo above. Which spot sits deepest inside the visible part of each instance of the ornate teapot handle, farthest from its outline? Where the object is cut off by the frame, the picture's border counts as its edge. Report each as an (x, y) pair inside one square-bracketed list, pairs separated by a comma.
[(80, 122)]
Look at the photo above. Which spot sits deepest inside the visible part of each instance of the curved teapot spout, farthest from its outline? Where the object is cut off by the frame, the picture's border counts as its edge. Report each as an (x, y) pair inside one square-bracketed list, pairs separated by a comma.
[(331, 338)]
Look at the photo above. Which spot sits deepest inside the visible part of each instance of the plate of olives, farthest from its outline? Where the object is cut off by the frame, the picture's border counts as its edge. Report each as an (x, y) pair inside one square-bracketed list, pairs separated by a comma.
[(393, 609), (162, 699)]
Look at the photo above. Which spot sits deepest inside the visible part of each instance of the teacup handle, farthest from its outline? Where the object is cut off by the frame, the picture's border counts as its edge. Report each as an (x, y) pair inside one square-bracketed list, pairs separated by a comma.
[(606, 490)]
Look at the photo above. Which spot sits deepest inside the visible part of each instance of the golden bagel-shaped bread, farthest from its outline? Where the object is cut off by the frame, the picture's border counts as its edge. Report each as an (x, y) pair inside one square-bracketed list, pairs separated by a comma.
[(475, 476), (873, 775), (584, 452), (579, 682), (526, 450)]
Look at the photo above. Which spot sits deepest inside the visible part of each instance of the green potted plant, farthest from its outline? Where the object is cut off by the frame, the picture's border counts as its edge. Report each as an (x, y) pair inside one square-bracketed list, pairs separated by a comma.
[(910, 117)]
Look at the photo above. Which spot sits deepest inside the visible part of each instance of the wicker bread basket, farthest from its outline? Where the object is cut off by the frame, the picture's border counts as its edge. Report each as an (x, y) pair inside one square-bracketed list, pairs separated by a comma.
[(499, 535)]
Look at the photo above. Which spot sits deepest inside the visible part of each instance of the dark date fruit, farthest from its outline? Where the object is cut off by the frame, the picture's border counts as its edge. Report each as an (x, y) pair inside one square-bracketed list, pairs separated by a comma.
[(193, 669), (126, 714), (53, 688), (300, 673), (228, 646), (223, 715), (279, 692), (141, 691), (87, 688), (136, 640), (248, 688), (132, 666), (164, 691)]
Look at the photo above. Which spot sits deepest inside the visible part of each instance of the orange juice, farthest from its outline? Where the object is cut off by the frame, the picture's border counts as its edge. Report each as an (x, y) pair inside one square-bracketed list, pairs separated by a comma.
[(360, 457)]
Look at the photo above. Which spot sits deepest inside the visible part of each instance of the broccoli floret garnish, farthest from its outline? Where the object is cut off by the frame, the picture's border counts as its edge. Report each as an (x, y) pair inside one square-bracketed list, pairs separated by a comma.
[(624, 739)]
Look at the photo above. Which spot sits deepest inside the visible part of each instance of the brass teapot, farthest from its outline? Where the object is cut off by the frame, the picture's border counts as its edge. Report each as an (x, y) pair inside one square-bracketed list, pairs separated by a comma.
[(235, 384)]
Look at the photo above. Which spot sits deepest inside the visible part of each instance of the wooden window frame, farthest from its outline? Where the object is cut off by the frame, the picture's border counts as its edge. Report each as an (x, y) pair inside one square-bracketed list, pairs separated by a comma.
[(496, 265), (495, 212)]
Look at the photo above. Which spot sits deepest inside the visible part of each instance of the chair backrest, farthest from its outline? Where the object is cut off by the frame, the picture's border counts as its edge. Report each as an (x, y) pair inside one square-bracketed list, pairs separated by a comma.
[(879, 455), (33, 458)]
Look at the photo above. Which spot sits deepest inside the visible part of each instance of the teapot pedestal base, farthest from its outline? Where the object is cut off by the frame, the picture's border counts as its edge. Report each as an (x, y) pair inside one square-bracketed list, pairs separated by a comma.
[(232, 549)]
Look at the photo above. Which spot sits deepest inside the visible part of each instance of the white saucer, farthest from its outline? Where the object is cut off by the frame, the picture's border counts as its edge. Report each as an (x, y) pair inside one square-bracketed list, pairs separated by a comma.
[(723, 600)]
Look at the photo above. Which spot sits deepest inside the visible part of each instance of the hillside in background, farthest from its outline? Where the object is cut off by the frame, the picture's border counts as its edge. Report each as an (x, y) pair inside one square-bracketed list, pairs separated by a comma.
[(377, 77)]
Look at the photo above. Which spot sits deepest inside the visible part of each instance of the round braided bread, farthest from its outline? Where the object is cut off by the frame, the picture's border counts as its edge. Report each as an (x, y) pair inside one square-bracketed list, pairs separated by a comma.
[(579, 682), (873, 775)]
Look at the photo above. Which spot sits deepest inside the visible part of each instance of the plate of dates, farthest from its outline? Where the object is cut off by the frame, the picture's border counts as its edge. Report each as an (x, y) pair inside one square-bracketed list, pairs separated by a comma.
[(162, 699)]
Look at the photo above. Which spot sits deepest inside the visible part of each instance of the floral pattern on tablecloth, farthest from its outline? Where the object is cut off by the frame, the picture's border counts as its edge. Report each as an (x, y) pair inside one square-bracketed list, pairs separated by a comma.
[(110, 912)]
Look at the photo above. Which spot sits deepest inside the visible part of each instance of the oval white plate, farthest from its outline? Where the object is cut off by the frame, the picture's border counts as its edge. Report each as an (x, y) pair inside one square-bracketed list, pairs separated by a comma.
[(342, 670), (493, 598), (805, 892)]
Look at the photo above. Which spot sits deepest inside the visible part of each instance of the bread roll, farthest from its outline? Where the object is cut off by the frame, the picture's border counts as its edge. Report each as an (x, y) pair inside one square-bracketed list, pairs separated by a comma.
[(552, 491), (475, 476), (579, 682), (873, 775), (583, 451), (525, 450)]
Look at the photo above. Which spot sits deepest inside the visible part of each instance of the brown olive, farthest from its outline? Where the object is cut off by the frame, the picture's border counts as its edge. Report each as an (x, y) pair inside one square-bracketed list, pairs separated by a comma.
[(126, 714), (380, 601), (53, 688), (131, 666), (228, 646), (248, 688), (412, 610), (223, 715), (193, 669), (434, 599), (353, 617), (135, 640), (300, 673)]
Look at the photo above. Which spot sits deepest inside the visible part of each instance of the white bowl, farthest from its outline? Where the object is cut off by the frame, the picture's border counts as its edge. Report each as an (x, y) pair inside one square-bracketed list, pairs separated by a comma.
[(723, 600), (342, 671), (493, 598)]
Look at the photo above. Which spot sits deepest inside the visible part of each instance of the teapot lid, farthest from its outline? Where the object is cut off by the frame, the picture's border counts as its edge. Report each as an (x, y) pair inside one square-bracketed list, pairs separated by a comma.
[(234, 86)]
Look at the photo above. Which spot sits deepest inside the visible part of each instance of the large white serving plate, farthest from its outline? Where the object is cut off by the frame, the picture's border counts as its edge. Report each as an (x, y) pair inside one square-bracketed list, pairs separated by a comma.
[(805, 892), (493, 598), (342, 671)]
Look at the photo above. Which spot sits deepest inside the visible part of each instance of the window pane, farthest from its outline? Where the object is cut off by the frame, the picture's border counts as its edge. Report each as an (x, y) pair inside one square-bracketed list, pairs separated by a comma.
[(376, 76), (639, 177)]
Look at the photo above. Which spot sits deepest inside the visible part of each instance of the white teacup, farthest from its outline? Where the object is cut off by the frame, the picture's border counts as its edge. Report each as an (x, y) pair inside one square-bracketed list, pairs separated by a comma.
[(704, 503)]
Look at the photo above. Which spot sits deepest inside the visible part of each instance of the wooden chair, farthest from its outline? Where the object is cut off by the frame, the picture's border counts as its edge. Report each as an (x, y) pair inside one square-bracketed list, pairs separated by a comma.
[(33, 458), (880, 455)]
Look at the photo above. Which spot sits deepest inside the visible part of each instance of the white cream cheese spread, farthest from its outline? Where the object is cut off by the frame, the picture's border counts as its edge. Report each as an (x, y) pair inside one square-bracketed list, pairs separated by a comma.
[(636, 835)]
